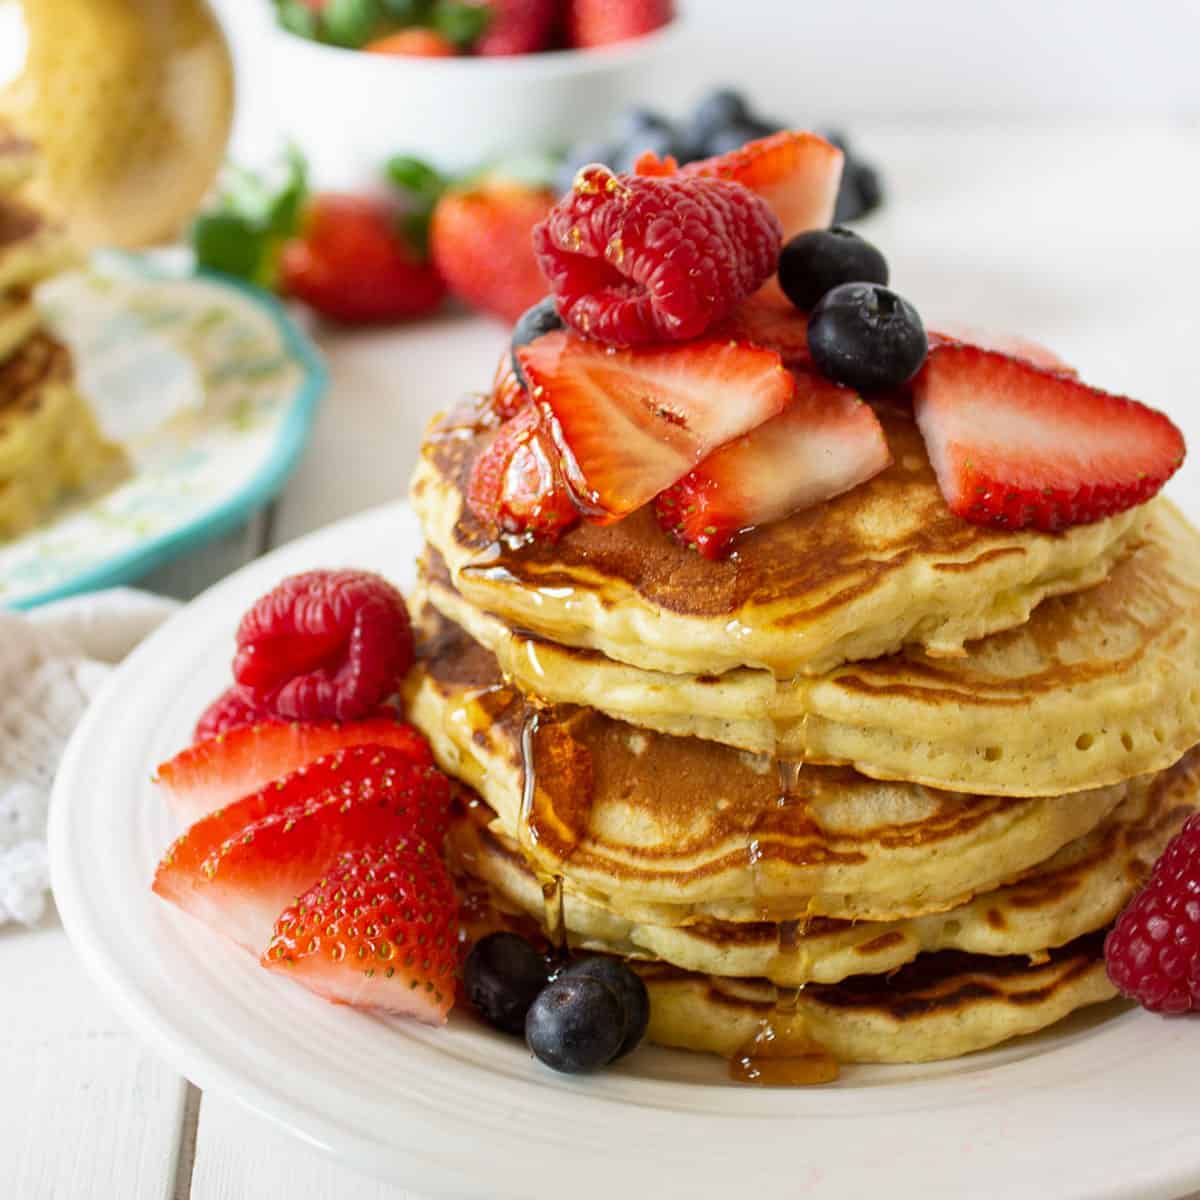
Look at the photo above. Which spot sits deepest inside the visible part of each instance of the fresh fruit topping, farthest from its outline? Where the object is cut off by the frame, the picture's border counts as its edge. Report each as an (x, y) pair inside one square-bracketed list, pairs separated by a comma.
[(1015, 445), (628, 423), (796, 173), (593, 23), (324, 646), (824, 443), (630, 990), (214, 773), (1153, 951), (541, 318), (236, 870), (1003, 343), (354, 263), (862, 190), (378, 931), (417, 42), (634, 261), (768, 320), (866, 336), (576, 1024), (480, 242), (508, 392), (518, 27), (516, 483), (232, 709), (503, 975), (816, 262), (720, 116)]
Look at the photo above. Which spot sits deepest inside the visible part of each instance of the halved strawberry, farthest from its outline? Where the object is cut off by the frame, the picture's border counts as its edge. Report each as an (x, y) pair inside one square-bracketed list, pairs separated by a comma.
[(1015, 445), (768, 319), (379, 931), (213, 772), (1004, 343), (629, 423), (237, 868), (516, 483), (824, 443)]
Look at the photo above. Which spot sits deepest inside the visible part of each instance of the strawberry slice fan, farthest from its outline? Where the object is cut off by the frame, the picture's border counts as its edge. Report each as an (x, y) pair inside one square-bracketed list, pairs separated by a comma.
[(840, 672)]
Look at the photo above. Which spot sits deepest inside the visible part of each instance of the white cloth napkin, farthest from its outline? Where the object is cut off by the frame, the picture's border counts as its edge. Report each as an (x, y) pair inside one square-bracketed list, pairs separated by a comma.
[(52, 662)]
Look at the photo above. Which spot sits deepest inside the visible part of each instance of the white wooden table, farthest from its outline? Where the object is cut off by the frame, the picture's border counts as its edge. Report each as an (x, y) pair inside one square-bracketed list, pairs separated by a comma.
[(1086, 237)]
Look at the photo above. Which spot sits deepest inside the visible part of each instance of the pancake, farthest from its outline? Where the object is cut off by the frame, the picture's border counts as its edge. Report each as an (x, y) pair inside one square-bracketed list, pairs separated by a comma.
[(883, 566), (32, 247), (668, 829), (1080, 889), (1095, 688), (19, 321)]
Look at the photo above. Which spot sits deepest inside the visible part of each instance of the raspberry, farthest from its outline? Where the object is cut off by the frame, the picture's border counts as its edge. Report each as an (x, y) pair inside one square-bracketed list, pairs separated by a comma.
[(232, 709), (1153, 951), (324, 646), (634, 260)]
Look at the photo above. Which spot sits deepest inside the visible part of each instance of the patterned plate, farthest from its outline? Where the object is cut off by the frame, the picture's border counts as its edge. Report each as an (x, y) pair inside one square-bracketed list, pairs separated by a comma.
[(210, 388)]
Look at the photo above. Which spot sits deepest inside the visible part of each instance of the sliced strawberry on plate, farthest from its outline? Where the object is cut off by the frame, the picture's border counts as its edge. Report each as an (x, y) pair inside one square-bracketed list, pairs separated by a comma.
[(238, 868), (824, 443), (214, 772), (768, 319), (629, 423), (516, 483), (1015, 445), (1004, 343), (378, 931)]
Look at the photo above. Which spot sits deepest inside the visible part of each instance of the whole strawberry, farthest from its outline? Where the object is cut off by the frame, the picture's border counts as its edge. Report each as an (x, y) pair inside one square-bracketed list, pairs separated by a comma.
[(1153, 951), (481, 242), (603, 22), (354, 263), (518, 27)]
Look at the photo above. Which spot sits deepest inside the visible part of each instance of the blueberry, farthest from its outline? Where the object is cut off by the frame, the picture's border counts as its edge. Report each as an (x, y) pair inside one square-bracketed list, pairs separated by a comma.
[(503, 975), (532, 323), (638, 121), (579, 156), (728, 139), (659, 141), (630, 990), (576, 1024), (812, 263), (867, 337), (720, 109), (870, 188), (860, 193)]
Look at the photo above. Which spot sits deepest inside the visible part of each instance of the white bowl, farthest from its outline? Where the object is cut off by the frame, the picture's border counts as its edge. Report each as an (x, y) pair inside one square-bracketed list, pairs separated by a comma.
[(350, 111)]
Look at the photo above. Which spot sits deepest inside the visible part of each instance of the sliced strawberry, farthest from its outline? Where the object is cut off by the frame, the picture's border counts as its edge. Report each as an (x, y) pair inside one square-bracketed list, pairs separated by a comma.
[(213, 772), (629, 423), (1016, 445), (508, 394), (1003, 343), (379, 931), (516, 483), (769, 320), (825, 442), (237, 868)]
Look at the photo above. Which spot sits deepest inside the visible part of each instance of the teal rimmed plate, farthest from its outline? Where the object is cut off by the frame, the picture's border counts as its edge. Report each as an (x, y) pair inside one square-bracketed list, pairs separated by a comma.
[(210, 388)]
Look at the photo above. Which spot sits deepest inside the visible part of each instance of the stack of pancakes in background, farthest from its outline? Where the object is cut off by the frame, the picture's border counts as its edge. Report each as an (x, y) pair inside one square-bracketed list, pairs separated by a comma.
[(50, 445), (870, 790)]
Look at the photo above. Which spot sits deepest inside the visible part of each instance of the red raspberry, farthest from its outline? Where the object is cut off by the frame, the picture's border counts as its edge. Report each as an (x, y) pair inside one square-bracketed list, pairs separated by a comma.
[(1153, 951), (232, 709), (635, 260), (324, 646)]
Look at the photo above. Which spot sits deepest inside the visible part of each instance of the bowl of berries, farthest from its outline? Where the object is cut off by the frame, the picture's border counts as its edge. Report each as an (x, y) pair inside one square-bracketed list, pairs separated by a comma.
[(459, 82)]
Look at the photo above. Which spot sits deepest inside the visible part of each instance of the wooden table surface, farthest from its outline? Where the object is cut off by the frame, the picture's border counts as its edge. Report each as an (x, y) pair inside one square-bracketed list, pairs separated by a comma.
[(1086, 237)]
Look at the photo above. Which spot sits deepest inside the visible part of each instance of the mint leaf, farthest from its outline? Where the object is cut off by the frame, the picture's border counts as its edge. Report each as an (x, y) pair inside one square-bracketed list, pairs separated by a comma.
[(459, 22)]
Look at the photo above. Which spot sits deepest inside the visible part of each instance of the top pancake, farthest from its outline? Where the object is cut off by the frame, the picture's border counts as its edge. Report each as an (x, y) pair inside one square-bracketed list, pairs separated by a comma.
[(884, 566)]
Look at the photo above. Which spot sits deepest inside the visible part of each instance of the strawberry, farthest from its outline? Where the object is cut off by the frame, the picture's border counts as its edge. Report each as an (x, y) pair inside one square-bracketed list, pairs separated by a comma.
[(603, 22), (769, 320), (237, 868), (824, 443), (508, 393), (516, 483), (378, 931), (214, 772), (1004, 343), (481, 241), (518, 27), (415, 42), (353, 263), (626, 424), (1016, 445)]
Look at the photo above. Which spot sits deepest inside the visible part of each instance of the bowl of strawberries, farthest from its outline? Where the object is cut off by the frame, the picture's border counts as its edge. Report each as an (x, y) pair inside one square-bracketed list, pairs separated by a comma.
[(456, 81)]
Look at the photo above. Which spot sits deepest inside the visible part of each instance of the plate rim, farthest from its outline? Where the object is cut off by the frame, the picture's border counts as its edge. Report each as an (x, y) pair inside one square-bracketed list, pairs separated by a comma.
[(226, 513)]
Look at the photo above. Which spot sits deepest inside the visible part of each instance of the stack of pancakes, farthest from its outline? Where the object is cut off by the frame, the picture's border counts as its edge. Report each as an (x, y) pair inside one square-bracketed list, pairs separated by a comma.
[(878, 783), (50, 445)]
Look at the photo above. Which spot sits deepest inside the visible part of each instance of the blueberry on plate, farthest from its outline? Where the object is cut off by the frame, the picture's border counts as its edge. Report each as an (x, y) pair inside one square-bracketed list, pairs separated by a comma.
[(541, 318), (635, 122), (719, 109), (503, 975), (867, 337), (576, 1024), (630, 990), (813, 263)]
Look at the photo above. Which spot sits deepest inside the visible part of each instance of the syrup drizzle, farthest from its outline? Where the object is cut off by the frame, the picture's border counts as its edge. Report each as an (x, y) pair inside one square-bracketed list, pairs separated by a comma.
[(553, 895)]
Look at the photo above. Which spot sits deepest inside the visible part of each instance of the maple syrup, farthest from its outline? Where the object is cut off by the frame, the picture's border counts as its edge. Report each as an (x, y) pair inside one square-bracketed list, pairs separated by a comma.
[(781, 1057)]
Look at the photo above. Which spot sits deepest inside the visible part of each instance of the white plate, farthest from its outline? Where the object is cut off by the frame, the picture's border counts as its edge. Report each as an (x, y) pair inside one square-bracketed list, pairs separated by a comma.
[(1104, 1106)]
